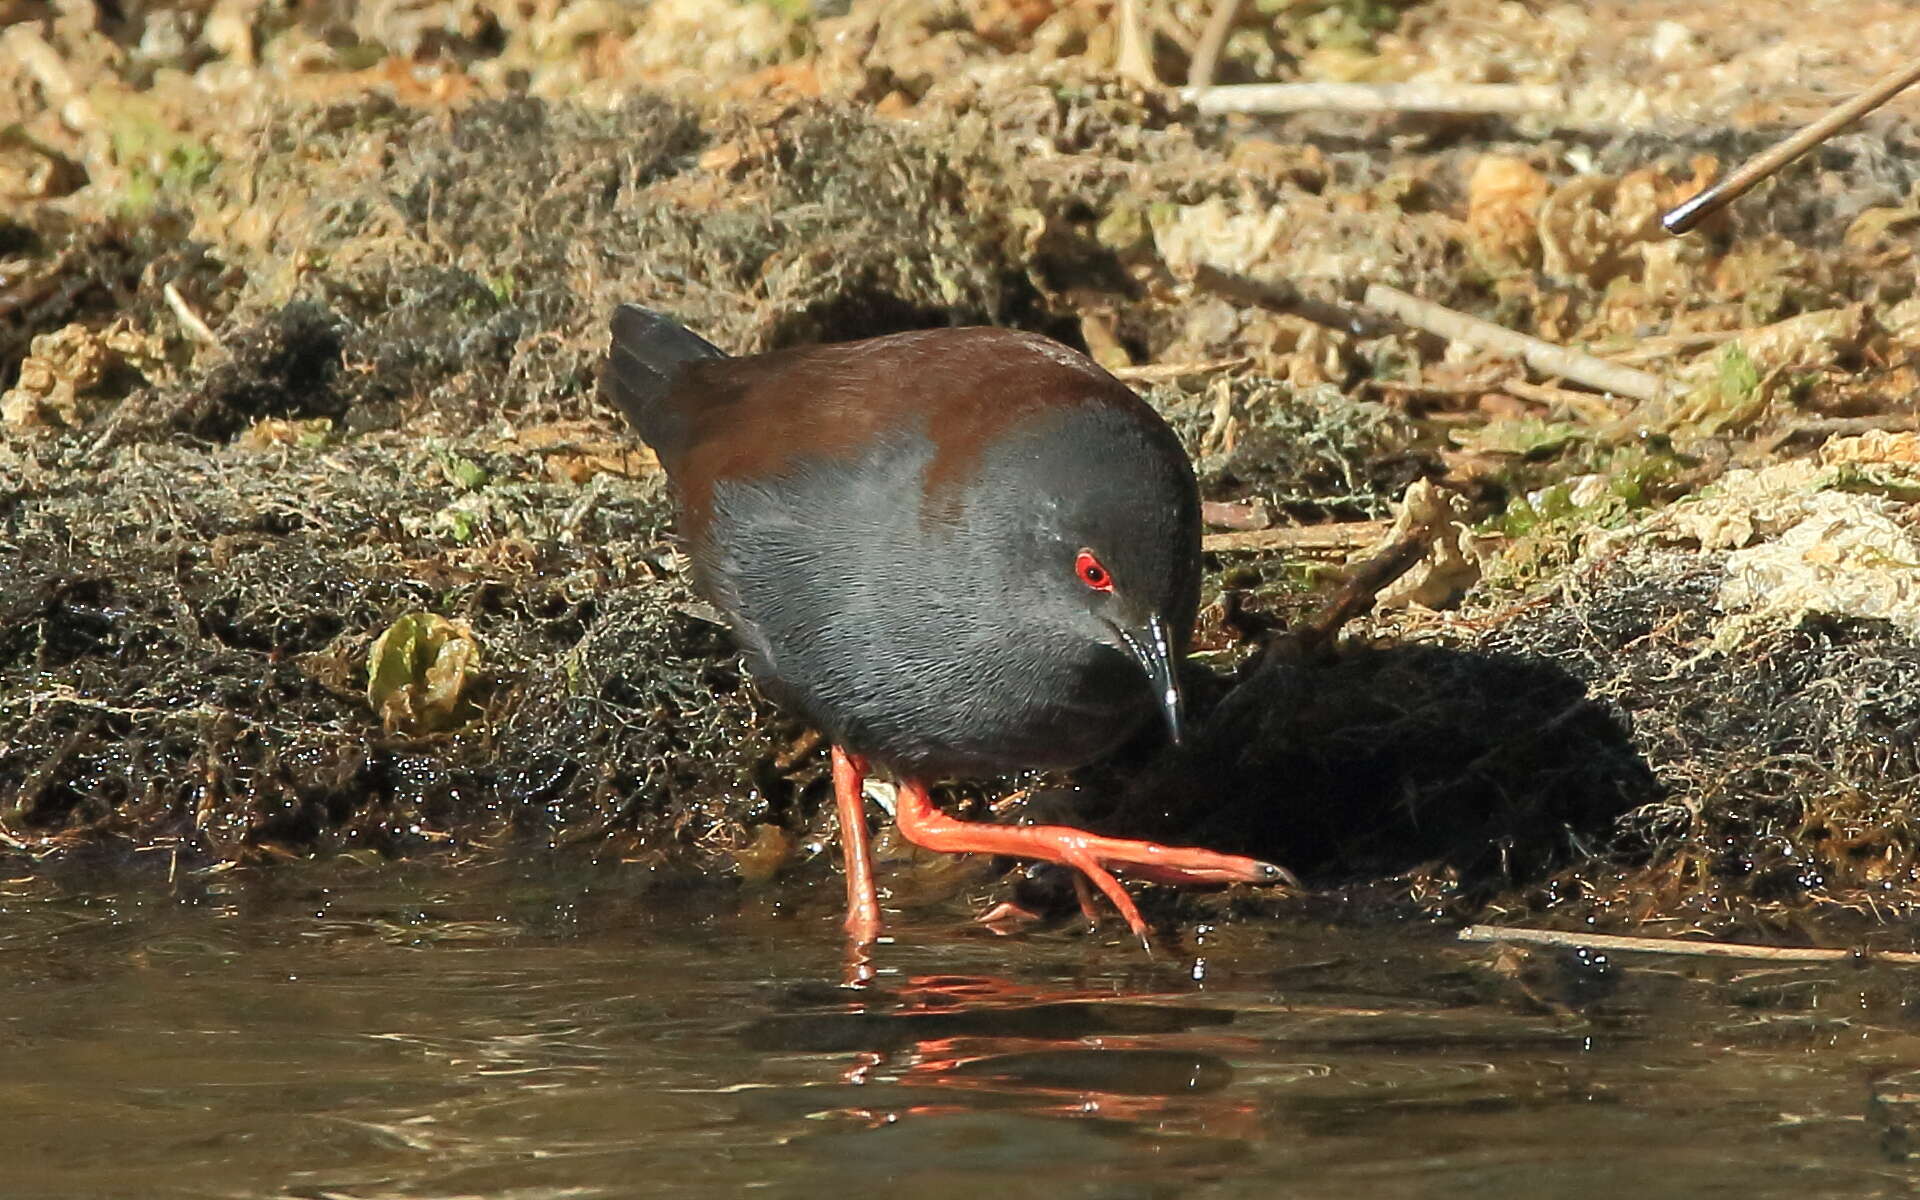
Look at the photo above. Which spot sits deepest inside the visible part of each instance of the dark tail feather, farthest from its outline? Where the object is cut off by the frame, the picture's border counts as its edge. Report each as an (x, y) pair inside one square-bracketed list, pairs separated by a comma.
[(648, 353)]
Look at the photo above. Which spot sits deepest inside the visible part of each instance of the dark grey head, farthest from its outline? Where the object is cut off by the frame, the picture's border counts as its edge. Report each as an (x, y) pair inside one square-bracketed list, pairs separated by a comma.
[(1102, 502)]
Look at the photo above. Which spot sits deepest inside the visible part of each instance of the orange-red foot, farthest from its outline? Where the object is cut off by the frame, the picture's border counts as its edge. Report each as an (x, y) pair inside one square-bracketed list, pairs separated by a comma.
[(1094, 856), (1007, 919)]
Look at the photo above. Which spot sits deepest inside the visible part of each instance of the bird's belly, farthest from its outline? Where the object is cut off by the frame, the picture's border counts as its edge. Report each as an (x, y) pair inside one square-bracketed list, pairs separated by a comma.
[(967, 715), (929, 733)]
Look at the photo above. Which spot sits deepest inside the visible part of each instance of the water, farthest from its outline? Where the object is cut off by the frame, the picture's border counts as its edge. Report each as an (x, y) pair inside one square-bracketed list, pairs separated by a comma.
[(361, 1031)]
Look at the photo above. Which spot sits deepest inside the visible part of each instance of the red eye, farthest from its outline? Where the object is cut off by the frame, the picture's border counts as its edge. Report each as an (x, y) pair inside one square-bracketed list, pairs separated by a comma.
[(1091, 573)]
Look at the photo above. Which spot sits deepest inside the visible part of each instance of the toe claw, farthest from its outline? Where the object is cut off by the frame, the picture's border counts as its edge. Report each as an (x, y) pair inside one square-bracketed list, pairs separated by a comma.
[(1274, 873)]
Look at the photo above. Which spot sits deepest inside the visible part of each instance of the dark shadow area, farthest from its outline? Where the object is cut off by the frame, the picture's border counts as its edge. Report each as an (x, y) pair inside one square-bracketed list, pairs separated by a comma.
[(1490, 769)]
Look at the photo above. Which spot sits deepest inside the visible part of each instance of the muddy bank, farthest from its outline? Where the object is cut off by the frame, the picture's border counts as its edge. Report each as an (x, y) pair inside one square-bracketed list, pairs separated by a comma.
[(282, 373)]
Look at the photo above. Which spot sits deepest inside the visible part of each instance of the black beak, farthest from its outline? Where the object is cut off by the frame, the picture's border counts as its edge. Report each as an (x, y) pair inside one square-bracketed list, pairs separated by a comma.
[(1154, 651)]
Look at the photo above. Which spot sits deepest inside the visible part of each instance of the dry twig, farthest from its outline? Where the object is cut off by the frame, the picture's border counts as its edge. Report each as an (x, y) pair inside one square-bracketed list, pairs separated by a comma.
[(1160, 372), (1697, 949), (1226, 514), (1134, 58), (1375, 98), (1206, 54), (1689, 214), (1587, 406), (1424, 387), (1283, 297), (1422, 512), (1544, 357), (1342, 535), (191, 321)]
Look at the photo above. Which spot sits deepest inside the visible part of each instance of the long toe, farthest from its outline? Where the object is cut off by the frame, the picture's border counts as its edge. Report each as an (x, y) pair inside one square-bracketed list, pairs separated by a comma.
[(1005, 919), (1197, 874), (1094, 856)]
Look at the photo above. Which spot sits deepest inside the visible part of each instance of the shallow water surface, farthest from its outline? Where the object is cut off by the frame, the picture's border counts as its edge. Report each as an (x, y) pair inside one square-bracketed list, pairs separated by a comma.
[(402, 1031)]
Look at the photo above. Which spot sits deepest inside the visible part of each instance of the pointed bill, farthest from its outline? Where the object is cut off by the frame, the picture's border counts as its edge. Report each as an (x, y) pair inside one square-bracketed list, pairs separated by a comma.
[(1154, 650)]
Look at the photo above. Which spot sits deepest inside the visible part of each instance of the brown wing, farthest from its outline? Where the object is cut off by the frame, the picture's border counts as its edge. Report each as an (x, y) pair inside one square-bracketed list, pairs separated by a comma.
[(747, 418)]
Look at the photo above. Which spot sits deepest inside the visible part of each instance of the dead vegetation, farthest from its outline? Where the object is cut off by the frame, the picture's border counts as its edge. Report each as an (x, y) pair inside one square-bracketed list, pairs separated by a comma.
[(300, 313)]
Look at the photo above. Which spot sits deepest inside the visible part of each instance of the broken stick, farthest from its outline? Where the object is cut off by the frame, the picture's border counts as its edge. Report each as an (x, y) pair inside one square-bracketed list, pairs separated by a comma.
[(1283, 297), (1340, 535), (1473, 98), (1698, 949), (1544, 357), (1423, 510)]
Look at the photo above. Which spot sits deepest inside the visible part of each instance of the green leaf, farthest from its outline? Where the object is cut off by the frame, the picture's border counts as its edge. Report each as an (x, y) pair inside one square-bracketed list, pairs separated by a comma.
[(419, 671)]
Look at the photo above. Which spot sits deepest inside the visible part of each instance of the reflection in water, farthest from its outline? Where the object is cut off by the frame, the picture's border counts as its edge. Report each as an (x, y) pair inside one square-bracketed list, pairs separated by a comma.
[(393, 1032), (1071, 1089), (1043, 1051)]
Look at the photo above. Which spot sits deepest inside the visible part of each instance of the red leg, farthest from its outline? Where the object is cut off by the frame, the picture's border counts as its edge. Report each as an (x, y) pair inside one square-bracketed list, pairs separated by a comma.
[(1092, 855), (863, 900)]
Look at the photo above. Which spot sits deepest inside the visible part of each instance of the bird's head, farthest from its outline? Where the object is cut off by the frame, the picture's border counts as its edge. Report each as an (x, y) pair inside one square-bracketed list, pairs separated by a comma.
[(1113, 561)]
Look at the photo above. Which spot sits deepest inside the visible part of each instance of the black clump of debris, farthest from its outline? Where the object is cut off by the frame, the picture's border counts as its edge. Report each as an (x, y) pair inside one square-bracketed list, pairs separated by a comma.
[(286, 365), (1787, 753)]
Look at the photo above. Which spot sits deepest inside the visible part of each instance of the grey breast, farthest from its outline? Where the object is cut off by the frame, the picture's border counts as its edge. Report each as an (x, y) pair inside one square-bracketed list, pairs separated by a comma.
[(906, 639)]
